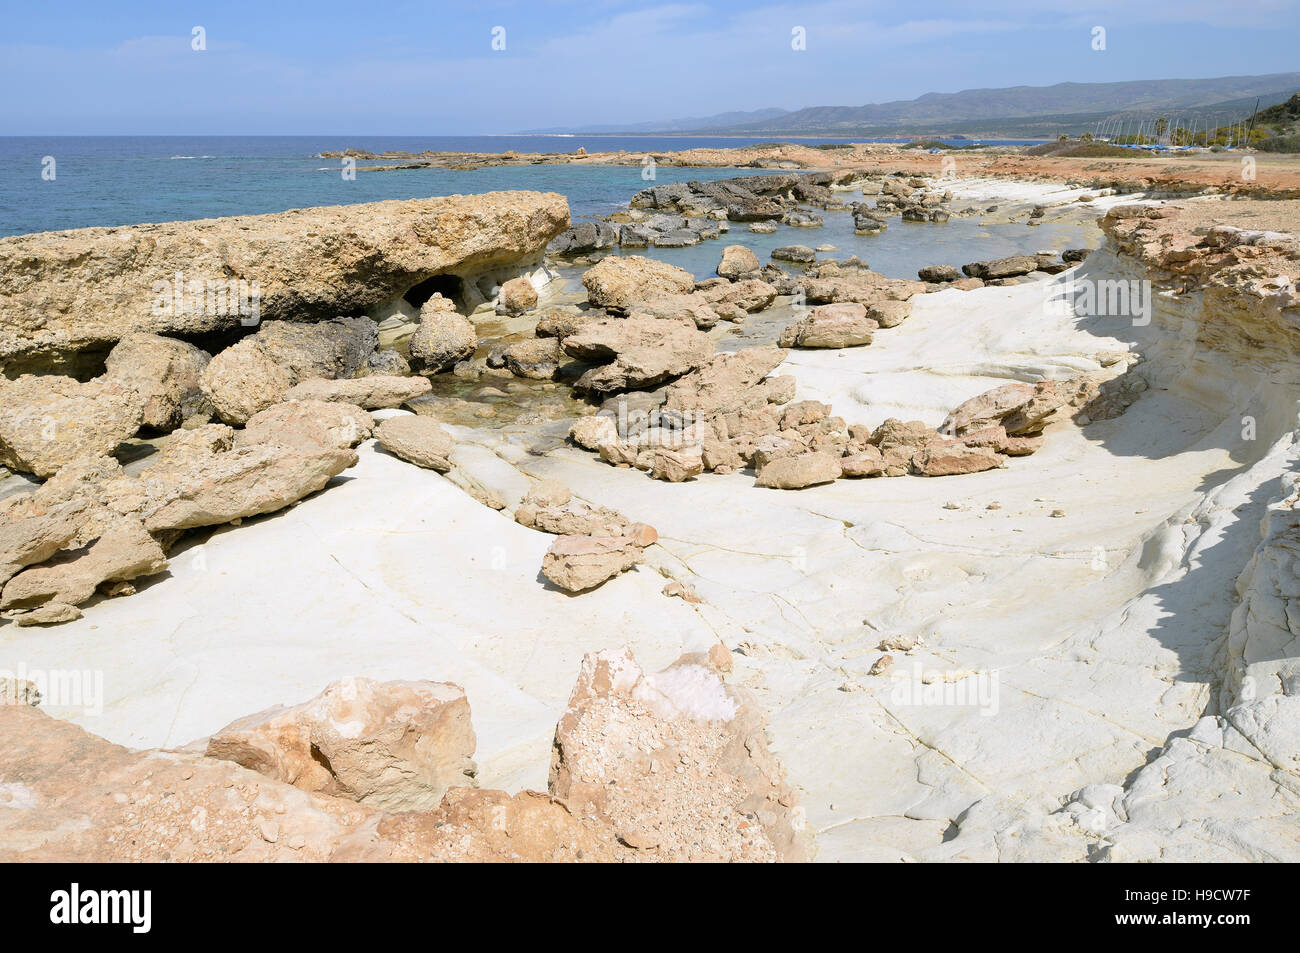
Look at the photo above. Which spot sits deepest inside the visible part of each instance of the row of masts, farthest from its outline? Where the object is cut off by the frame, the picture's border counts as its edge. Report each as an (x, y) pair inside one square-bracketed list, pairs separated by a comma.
[(1179, 131)]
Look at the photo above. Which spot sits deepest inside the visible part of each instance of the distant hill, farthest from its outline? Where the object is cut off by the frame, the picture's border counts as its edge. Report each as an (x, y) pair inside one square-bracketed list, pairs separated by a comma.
[(669, 125), (1013, 112)]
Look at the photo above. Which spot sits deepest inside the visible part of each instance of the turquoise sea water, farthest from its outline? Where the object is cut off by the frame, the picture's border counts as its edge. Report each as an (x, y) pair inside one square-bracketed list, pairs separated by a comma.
[(128, 180)]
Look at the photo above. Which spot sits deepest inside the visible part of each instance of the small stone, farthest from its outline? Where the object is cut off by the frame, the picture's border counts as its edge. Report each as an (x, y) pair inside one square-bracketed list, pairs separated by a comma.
[(881, 665)]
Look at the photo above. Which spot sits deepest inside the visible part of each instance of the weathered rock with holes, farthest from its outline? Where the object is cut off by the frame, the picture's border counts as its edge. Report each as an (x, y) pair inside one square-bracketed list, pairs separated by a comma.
[(256, 373), (397, 746), (370, 393), (164, 371), (747, 294), (417, 439), (618, 283)]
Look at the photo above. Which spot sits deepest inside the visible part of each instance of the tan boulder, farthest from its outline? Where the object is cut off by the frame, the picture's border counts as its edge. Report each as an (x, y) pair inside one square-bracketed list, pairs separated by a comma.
[(636, 352), (950, 459), (372, 392), (676, 762), (255, 373), (125, 551), (618, 283), (307, 425), (737, 262), (830, 325), (48, 421), (416, 439), (397, 746), (798, 470), (577, 563), (164, 371), (443, 339), (517, 296)]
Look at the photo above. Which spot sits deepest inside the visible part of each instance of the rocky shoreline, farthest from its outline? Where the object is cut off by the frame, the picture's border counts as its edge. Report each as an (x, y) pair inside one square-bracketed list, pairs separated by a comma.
[(372, 322)]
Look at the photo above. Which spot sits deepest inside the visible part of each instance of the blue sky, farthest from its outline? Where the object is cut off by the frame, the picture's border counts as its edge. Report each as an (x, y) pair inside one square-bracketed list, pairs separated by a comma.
[(99, 67)]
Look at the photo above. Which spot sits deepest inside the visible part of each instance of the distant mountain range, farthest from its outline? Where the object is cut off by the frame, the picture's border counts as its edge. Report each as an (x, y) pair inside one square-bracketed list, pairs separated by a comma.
[(670, 125), (1017, 111)]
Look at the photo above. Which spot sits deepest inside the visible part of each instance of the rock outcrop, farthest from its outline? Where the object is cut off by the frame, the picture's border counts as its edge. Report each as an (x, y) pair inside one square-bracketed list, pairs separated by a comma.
[(66, 292)]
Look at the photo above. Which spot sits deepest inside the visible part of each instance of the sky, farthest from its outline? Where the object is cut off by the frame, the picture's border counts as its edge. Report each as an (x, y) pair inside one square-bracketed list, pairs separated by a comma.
[(98, 67)]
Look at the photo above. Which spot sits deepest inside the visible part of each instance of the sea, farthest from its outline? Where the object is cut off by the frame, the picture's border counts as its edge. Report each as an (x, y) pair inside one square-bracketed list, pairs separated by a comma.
[(51, 183)]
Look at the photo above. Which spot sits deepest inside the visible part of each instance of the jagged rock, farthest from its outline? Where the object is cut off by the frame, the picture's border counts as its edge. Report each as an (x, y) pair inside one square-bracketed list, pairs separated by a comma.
[(48, 421), (308, 426), (795, 253), (583, 238), (947, 459), (63, 292), (693, 309), (618, 283), (571, 518), (30, 535), (385, 362), (831, 325), (676, 762), (538, 359), (636, 352), (577, 563), (799, 470), (675, 466), (370, 393), (560, 323), (51, 613), (889, 314), (800, 218), (255, 373), (517, 296), (1001, 267), (1021, 408), (939, 273), (164, 371), (203, 485), (397, 746), (125, 551), (417, 439), (444, 339), (747, 294), (737, 262), (727, 383)]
